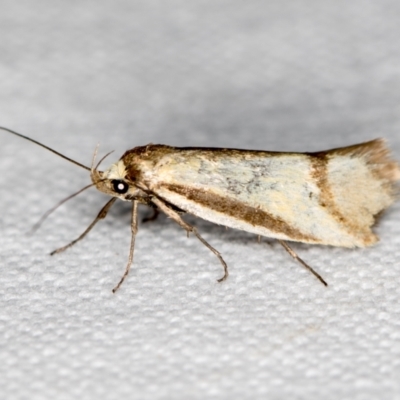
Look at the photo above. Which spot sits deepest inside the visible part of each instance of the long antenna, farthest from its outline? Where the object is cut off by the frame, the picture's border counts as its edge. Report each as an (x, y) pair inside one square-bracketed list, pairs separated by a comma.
[(46, 147)]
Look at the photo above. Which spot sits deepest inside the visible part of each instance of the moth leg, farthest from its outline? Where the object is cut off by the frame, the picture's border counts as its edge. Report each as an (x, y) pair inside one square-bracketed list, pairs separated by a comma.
[(134, 229), (101, 215), (189, 228), (152, 217), (303, 263)]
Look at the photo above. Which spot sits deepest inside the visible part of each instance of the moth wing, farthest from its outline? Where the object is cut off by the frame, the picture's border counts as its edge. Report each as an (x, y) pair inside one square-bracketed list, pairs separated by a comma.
[(327, 198)]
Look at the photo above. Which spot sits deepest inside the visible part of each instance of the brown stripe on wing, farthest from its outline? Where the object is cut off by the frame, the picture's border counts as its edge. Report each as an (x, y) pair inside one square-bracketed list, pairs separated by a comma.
[(319, 172), (238, 210)]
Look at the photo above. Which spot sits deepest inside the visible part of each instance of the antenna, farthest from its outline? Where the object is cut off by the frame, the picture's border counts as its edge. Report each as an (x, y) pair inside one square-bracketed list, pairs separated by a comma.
[(45, 147)]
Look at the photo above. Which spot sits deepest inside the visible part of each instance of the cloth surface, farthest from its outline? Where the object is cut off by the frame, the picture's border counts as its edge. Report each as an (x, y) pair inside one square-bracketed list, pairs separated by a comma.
[(284, 76)]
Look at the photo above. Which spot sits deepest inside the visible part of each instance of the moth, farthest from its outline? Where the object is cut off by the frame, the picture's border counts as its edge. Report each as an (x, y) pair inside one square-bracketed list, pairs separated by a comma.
[(330, 197)]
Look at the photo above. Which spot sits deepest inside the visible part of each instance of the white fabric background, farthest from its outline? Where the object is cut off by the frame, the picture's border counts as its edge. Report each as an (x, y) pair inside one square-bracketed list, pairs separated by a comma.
[(301, 76)]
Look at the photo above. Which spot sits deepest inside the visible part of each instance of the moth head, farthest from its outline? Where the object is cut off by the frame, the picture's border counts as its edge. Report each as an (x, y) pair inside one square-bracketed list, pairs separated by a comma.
[(114, 182)]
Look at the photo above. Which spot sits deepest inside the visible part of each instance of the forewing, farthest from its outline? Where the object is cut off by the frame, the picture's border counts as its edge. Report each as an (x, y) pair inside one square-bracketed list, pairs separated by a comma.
[(279, 195)]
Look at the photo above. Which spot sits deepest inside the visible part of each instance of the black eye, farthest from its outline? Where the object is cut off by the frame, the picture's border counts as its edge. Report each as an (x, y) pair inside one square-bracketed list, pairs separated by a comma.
[(120, 186)]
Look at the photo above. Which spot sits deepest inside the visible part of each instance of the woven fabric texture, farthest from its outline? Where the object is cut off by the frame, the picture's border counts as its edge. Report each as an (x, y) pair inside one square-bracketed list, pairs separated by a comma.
[(284, 76)]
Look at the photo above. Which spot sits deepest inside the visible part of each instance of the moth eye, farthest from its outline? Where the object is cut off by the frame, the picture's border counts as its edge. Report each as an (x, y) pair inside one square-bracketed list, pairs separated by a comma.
[(120, 186)]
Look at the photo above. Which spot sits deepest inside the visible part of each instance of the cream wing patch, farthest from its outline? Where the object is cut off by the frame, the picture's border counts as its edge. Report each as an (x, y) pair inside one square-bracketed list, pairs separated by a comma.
[(357, 194)]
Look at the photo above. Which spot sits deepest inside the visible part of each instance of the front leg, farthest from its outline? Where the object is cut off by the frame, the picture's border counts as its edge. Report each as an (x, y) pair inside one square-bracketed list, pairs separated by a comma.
[(101, 215)]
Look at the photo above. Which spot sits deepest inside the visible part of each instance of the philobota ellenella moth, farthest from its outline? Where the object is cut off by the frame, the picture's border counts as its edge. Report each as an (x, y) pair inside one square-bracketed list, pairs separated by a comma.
[(330, 197)]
